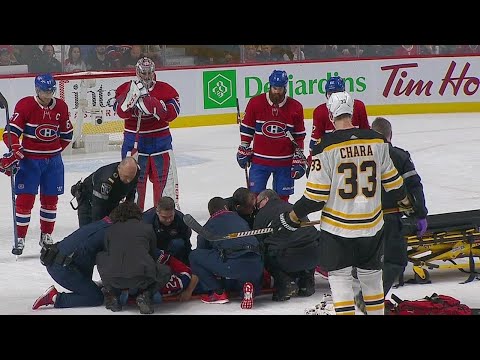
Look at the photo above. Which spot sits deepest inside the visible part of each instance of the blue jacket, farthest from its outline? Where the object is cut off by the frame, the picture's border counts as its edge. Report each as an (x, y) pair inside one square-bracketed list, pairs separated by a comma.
[(222, 223), (85, 243)]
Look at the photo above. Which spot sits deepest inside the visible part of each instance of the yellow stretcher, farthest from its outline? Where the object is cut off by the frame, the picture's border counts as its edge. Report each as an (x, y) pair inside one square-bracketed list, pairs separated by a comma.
[(449, 237)]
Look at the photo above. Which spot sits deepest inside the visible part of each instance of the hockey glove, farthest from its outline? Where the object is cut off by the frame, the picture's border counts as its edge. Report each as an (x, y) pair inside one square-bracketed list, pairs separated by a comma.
[(12, 158), (150, 105), (405, 206), (299, 165), (284, 225), (12, 170), (421, 227), (244, 155)]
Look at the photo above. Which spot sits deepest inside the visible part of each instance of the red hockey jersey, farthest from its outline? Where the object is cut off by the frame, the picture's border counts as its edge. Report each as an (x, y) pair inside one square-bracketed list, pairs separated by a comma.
[(181, 274), (149, 126), (46, 130), (322, 124), (266, 125)]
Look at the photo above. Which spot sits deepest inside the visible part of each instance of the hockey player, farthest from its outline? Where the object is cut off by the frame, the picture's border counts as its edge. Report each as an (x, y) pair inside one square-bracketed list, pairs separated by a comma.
[(103, 190), (43, 121), (267, 119), (322, 124), (148, 106), (349, 167)]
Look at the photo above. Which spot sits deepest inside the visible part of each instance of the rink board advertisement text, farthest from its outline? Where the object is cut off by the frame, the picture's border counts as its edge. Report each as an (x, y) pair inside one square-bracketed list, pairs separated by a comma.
[(208, 95)]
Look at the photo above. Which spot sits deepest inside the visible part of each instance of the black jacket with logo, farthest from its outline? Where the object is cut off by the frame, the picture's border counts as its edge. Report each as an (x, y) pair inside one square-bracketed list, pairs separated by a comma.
[(104, 190)]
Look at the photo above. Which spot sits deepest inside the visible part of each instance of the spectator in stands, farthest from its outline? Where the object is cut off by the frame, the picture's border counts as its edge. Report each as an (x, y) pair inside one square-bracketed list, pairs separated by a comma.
[(373, 51), (295, 53), (406, 50), (251, 54), (266, 54), (154, 52), (347, 51), (228, 58), (6, 57), (30, 55), (74, 62), (319, 52), (467, 49), (98, 60), (131, 57), (49, 64)]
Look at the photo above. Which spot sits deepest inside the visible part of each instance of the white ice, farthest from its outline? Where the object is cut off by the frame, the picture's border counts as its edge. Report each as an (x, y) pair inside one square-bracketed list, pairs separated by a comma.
[(443, 147)]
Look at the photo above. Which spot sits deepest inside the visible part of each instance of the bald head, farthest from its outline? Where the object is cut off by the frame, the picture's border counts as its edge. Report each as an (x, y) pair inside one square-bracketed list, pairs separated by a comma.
[(383, 126), (127, 169)]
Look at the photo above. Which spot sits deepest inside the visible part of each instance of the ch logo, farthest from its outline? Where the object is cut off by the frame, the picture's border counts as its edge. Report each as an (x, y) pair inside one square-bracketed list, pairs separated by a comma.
[(46, 132), (273, 129)]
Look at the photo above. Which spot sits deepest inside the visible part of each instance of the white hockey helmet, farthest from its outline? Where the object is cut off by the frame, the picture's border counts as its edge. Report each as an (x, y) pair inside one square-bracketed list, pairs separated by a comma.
[(340, 103), (145, 70)]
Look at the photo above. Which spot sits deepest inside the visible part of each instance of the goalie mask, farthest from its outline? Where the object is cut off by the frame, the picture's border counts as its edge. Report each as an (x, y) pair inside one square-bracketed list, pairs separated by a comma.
[(145, 70), (338, 104)]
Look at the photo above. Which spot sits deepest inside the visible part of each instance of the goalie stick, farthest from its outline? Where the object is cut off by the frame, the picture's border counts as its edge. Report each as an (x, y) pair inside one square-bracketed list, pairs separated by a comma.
[(193, 224), (15, 250)]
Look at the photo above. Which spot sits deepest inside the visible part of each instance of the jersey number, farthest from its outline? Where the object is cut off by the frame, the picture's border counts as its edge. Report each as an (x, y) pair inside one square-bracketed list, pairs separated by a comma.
[(352, 180)]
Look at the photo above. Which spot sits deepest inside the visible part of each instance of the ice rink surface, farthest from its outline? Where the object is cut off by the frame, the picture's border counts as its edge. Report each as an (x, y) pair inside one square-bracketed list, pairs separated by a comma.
[(444, 148)]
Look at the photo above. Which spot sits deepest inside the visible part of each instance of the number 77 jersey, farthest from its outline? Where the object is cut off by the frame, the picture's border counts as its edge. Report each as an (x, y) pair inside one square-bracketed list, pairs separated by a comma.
[(348, 169)]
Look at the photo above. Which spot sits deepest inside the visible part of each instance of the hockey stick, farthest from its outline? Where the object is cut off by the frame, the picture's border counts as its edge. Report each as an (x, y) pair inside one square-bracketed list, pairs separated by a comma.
[(193, 224), (289, 135), (4, 105), (239, 122), (137, 135)]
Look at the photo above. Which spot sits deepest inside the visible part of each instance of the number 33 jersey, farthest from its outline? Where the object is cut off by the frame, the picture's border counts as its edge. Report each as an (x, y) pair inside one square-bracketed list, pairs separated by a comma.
[(348, 169)]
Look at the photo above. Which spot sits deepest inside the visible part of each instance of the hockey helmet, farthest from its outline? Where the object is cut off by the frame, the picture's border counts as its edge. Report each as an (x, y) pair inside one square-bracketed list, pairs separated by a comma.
[(278, 78), (340, 103), (45, 82), (145, 70), (334, 84)]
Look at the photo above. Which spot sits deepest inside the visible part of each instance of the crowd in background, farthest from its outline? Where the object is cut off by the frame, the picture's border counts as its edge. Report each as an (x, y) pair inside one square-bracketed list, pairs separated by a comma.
[(75, 58)]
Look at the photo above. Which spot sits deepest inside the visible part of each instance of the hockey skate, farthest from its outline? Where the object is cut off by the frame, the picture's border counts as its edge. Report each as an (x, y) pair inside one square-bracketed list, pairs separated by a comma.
[(20, 246), (45, 240), (247, 301), (46, 298), (324, 308)]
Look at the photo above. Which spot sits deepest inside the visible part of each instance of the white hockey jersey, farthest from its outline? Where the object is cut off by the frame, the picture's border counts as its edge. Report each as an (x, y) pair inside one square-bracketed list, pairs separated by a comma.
[(347, 172)]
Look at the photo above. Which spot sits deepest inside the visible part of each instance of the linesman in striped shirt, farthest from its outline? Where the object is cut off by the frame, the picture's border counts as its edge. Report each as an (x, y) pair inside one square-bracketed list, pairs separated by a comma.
[(349, 167)]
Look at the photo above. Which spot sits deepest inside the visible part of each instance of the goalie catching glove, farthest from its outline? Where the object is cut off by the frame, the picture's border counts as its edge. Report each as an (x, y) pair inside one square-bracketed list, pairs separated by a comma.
[(10, 160), (244, 155), (299, 164)]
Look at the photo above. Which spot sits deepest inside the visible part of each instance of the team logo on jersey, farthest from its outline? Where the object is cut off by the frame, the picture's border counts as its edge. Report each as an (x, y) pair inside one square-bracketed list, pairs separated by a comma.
[(105, 189), (46, 132), (273, 129)]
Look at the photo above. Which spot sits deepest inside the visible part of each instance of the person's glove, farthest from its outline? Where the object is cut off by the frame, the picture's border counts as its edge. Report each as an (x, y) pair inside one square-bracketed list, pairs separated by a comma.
[(12, 170), (150, 105), (299, 165), (11, 159), (244, 155), (421, 226), (405, 206), (283, 225)]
